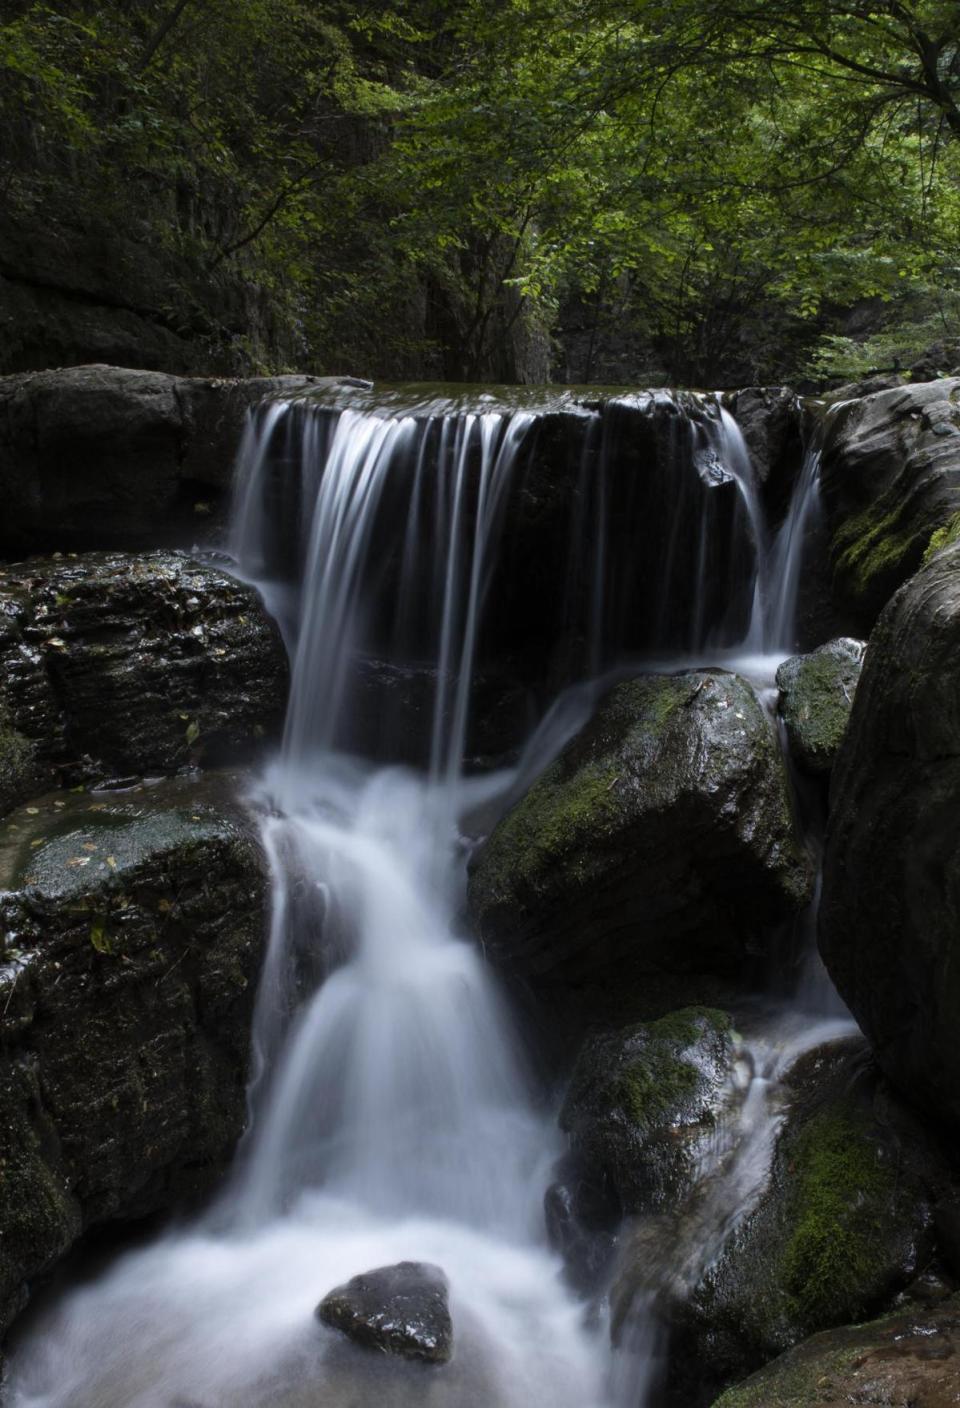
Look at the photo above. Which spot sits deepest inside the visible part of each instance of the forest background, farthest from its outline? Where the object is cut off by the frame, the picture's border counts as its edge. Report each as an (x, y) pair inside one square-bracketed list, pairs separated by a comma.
[(599, 190)]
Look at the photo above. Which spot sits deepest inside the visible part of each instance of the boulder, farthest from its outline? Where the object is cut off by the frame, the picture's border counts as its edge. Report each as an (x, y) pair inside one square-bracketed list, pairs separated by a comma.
[(890, 474), (114, 664), (889, 927), (652, 857), (843, 1222), (401, 1310), (109, 457), (909, 1359), (133, 928), (816, 696), (643, 1101)]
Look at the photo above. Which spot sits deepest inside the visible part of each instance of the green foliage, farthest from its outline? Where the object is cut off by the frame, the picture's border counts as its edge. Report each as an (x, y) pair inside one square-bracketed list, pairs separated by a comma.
[(720, 183)]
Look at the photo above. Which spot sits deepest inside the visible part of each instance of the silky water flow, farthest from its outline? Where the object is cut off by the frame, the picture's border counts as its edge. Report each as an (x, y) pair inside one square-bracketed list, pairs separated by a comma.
[(392, 1112)]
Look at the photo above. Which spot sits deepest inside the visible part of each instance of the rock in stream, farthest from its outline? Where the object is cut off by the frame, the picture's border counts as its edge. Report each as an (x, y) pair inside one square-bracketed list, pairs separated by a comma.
[(401, 1310)]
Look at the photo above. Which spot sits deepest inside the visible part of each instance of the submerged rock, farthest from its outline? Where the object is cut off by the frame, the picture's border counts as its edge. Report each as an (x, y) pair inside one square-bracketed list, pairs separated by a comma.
[(132, 931), (400, 1310), (910, 1359), (890, 915), (116, 664), (844, 1222), (890, 475), (654, 855), (816, 697)]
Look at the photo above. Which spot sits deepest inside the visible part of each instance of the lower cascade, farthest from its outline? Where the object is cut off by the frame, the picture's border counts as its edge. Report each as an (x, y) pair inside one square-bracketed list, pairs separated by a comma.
[(389, 1191)]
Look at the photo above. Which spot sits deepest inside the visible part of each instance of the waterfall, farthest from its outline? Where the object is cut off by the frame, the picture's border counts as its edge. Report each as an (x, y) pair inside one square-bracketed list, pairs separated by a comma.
[(393, 1112)]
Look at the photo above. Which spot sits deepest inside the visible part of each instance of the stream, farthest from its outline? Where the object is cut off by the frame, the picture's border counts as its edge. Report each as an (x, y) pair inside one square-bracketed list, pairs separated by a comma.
[(396, 1111)]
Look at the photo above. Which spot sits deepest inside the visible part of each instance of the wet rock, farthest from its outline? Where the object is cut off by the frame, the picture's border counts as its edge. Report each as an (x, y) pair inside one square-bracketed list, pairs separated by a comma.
[(103, 457), (770, 420), (20, 773), (657, 851), (844, 1222), (400, 1310), (816, 697), (132, 934), (642, 1102), (890, 915), (890, 475), (910, 1359), (115, 663)]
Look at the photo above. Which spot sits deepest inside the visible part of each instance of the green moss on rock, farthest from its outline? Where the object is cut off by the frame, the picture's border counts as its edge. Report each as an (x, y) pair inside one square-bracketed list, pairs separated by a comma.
[(942, 538), (661, 841), (841, 1204), (641, 1100), (816, 699)]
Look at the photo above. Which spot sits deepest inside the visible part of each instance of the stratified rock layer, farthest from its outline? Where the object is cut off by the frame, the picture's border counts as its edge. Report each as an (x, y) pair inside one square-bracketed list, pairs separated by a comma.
[(890, 475), (658, 848), (890, 915), (104, 457), (116, 664), (132, 933)]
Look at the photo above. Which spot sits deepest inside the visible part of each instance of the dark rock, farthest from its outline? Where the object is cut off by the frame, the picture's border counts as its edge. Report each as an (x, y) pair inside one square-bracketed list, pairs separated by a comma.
[(398, 1310), (842, 1225), (890, 914), (108, 457), (657, 851), (890, 475), (770, 418), (132, 932), (115, 663), (910, 1359), (643, 1101), (816, 697)]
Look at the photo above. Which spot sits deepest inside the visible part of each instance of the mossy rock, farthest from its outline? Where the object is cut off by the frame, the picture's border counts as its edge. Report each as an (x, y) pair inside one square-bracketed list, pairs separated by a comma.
[(660, 843), (642, 1100), (908, 1359), (816, 697), (890, 474), (844, 1224)]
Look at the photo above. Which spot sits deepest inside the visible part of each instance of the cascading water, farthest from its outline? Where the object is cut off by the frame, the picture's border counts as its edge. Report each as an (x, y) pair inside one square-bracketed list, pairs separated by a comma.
[(393, 1114)]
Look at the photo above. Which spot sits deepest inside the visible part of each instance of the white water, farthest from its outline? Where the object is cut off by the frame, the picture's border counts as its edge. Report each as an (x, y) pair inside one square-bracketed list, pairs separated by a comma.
[(393, 1115)]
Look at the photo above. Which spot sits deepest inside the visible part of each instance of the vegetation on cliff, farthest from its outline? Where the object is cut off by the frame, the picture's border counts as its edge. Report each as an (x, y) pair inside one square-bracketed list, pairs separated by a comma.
[(711, 191)]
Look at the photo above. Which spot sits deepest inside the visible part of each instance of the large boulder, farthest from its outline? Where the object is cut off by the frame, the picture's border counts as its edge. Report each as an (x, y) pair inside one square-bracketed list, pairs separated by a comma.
[(109, 457), (115, 664), (653, 857), (909, 1359), (890, 475), (890, 914), (816, 697), (843, 1222), (400, 1310), (133, 927)]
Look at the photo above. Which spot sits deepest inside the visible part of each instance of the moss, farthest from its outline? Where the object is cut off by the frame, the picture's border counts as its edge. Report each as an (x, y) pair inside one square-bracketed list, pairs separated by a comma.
[(662, 1081), (942, 538), (841, 1199), (876, 545), (556, 817)]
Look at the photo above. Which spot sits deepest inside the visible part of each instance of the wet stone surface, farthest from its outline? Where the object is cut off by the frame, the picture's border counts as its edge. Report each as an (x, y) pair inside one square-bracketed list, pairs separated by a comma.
[(400, 1310), (132, 930)]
